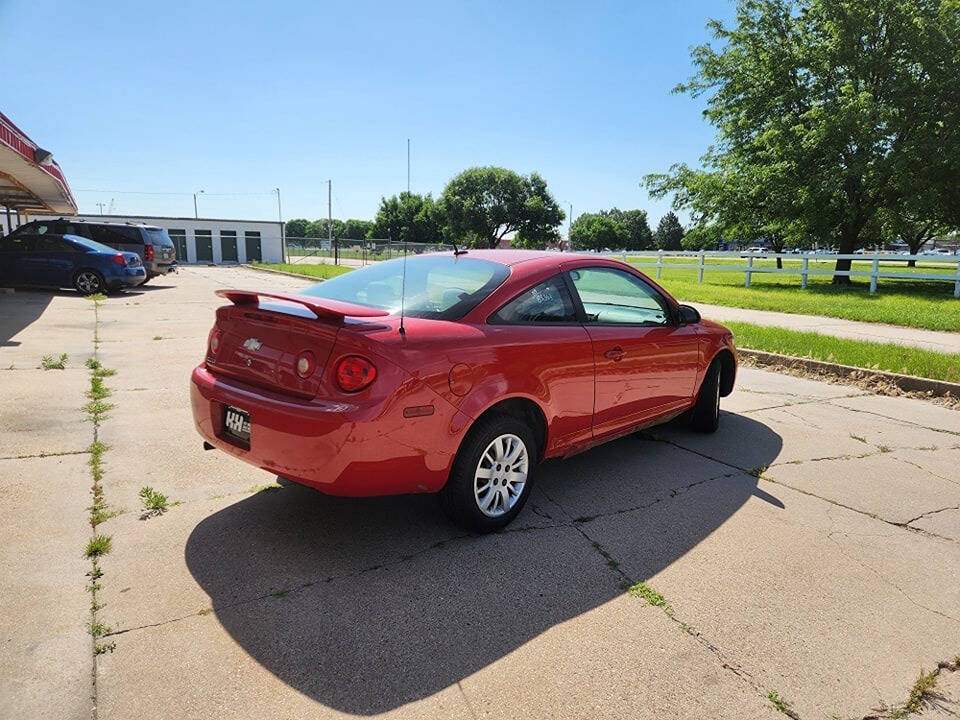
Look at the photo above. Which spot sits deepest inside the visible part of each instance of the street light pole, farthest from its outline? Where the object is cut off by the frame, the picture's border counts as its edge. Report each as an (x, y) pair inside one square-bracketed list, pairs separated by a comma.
[(196, 215), (100, 205), (408, 166), (283, 235)]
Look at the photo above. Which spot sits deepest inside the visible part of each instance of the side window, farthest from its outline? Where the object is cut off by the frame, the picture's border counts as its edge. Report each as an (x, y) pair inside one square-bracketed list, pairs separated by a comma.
[(614, 297), (50, 244), (548, 302), (17, 243)]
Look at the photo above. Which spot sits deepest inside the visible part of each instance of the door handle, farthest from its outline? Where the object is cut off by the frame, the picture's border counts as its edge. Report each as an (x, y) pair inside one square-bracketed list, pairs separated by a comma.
[(615, 353)]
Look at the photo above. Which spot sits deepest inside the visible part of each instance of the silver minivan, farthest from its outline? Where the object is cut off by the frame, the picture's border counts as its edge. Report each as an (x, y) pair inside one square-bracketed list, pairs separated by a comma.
[(151, 243)]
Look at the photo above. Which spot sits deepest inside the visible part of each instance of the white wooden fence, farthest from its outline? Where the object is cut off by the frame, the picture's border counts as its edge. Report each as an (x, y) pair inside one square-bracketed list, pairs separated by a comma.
[(648, 259)]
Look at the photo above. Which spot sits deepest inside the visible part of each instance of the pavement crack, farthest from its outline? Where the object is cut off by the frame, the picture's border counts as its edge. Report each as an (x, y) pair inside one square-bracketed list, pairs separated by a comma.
[(932, 512), (85, 451), (898, 420)]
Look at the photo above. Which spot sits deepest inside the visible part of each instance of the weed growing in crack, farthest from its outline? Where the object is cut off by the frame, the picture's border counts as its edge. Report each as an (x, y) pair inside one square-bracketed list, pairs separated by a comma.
[(98, 369), (50, 362), (98, 629), (280, 593), (98, 546), (101, 648), (780, 703), (758, 471), (154, 503), (921, 688), (642, 590), (858, 438)]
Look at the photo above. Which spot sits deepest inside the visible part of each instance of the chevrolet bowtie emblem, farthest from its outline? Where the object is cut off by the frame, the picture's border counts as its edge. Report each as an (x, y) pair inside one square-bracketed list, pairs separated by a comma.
[(252, 344)]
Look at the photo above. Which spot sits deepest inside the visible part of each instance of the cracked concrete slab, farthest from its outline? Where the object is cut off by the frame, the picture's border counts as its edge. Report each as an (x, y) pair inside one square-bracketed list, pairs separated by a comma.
[(521, 625), (874, 484), (45, 661), (945, 523), (801, 613)]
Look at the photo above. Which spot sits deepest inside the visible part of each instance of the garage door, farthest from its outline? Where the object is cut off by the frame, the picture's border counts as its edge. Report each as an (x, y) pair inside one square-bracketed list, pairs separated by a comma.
[(204, 241)]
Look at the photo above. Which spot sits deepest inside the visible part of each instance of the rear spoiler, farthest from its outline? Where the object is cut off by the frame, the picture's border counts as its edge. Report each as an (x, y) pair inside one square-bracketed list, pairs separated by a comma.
[(321, 307)]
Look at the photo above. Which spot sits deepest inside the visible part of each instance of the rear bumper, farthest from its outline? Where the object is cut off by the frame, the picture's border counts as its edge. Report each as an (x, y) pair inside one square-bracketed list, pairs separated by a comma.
[(156, 269), (126, 277), (334, 446)]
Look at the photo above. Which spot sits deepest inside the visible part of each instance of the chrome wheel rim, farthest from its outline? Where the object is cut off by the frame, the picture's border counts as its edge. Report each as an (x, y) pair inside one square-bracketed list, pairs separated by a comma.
[(501, 475), (87, 282)]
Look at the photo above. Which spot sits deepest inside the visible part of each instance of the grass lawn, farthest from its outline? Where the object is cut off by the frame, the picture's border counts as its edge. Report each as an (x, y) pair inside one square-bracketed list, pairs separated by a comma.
[(313, 270), (912, 303), (859, 353)]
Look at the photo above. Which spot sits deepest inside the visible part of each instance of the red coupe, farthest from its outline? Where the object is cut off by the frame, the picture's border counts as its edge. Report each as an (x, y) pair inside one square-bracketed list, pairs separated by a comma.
[(454, 373)]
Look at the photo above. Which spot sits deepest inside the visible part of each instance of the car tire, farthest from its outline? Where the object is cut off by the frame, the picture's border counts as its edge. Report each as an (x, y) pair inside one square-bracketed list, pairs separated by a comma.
[(149, 278), (486, 507), (89, 282), (705, 413)]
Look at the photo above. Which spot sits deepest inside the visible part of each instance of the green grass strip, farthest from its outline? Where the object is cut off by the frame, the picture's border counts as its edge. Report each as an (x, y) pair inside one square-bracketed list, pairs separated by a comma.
[(313, 270), (859, 353)]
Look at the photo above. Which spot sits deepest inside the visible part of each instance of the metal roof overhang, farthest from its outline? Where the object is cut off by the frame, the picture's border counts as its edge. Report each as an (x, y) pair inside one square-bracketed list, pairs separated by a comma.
[(30, 180)]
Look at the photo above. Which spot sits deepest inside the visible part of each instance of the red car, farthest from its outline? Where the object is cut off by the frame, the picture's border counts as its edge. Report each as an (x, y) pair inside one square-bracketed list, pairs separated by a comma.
[(496, 360)]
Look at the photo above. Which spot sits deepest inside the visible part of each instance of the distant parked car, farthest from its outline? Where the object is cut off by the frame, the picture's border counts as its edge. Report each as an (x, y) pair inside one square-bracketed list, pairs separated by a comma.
[(753, 250), (152, 244), (60, 261)]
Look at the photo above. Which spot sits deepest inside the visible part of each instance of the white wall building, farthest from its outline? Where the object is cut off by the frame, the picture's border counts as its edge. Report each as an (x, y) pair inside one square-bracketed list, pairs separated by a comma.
[(208, 240)]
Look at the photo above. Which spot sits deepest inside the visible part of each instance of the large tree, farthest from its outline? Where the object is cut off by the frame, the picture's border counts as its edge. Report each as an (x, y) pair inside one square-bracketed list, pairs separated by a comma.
[(354, 229), (296, 228), (825, 111), (636, 230), (597, 231), (669, 234), (482, 205), (408, 217)]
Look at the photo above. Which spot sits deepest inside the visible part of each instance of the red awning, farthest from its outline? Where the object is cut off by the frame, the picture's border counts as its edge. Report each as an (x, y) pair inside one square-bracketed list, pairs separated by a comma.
[(30, 179)]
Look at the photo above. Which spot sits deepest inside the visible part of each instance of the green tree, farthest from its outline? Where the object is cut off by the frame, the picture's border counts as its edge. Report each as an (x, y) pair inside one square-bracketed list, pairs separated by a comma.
[(669, 234), (482, 205), (354, 229), (408, 217), (597, 231), (296, 228), (637, 234), (827, 111)]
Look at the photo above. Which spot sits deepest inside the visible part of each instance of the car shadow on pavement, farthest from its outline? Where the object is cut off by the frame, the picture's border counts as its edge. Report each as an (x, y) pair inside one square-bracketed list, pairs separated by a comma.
[(368, 604), (19, 310)]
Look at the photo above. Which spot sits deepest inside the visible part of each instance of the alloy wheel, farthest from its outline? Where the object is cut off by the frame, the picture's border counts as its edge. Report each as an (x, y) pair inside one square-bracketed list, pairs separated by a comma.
[(501, 475), (87, 282)]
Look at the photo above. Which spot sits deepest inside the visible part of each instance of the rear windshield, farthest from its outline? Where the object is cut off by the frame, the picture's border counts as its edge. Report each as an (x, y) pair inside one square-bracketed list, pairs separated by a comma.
[(90, 244), (157, 236), (438, 287)]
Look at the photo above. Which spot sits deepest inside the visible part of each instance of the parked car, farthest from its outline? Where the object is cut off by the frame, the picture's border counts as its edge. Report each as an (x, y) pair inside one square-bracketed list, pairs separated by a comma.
[(59, 261), (152, 244), (753, 250), (490, 362)]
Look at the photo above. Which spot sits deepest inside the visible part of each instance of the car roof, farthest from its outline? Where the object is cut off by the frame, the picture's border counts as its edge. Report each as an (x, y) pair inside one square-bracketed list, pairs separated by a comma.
[(515, 257), (84, 221)]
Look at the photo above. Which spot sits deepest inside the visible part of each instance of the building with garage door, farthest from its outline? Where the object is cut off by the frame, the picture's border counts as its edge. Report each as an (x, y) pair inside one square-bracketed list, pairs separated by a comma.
[(208, 240)]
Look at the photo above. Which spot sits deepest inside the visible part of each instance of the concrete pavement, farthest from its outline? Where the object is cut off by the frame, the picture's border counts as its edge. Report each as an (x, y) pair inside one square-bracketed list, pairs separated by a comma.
[(810, 548)]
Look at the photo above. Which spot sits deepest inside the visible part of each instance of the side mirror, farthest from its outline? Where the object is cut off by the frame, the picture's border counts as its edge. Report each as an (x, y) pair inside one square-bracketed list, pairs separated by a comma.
[(689, 315)]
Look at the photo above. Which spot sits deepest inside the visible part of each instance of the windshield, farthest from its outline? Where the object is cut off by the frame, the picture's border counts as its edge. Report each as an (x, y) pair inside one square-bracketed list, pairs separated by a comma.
[(438, 287), (156, 236)]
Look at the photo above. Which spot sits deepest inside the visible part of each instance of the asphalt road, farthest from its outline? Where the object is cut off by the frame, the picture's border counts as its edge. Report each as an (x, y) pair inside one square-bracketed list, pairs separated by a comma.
[(810, 548)]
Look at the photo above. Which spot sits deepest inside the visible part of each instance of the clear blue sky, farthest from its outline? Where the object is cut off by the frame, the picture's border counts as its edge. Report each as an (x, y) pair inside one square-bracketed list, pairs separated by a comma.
[(241, 97)]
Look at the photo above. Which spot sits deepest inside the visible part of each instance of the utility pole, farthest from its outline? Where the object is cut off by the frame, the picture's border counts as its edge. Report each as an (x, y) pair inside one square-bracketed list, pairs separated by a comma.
[(408, 166), (333, 244), (195, 214), (283, 235), (569, 227)]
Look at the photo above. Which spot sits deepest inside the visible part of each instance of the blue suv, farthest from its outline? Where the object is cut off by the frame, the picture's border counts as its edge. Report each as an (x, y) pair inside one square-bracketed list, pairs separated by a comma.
[(59, 261)]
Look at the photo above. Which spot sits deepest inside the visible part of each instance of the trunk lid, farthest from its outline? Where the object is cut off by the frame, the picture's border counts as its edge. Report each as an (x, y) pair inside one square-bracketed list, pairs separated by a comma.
[(261, 341)]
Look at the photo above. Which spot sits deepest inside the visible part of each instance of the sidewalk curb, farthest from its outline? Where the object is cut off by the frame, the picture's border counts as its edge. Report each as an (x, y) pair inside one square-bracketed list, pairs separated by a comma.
[(908, 383)]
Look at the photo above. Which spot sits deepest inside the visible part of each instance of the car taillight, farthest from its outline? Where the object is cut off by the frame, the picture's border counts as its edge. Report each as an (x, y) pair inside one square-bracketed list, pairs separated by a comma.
[(215, 337), (118, 259), (148, 252), (355, 373), (306, 364)]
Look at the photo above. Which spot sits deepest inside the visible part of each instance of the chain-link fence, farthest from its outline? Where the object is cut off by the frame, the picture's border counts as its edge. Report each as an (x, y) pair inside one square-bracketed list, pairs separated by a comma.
[(354, 252)]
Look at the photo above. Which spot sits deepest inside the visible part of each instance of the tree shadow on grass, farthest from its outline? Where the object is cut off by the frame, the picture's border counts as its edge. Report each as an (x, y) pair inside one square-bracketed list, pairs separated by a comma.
[(367, 604)]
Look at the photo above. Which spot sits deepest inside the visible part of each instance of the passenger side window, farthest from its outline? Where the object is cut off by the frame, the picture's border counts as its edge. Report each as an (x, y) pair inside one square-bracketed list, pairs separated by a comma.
[(615, 297), (548, 302)]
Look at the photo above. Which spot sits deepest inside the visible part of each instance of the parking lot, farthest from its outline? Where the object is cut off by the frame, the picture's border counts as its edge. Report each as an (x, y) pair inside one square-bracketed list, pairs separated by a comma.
[(805, 558)]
